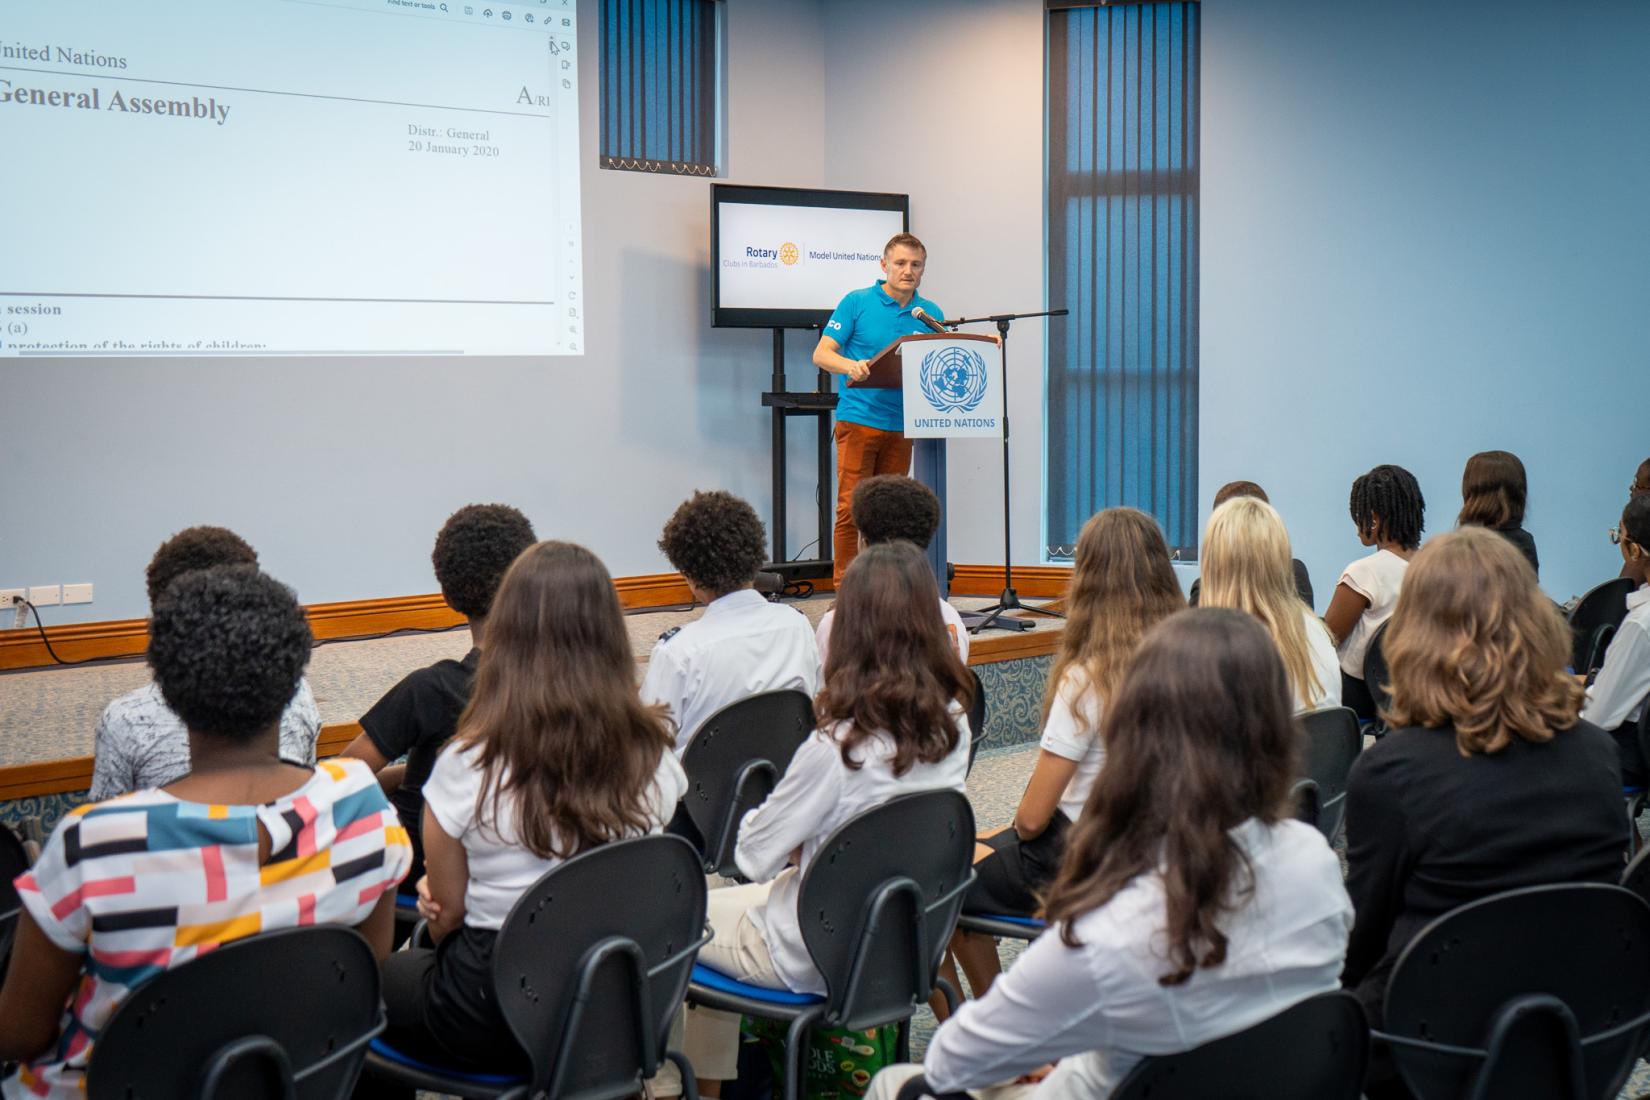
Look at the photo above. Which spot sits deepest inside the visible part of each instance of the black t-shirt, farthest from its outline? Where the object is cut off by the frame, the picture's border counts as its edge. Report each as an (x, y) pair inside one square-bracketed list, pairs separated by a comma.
[(1303, 584), (415, 718), (1525, 543)]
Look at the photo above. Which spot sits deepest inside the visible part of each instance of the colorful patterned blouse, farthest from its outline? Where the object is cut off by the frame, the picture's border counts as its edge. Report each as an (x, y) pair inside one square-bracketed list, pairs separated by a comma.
[(146, 882)]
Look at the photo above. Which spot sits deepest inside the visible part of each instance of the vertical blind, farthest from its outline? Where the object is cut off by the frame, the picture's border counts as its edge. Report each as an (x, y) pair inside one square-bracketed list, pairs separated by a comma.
[(1122, 256), (659, 85)]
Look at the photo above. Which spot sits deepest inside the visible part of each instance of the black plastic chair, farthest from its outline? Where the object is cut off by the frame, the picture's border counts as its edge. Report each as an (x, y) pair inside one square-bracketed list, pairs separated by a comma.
[(1542, 992), (280, 1015), (1636, 796), (1594, 619), (1377, 677), (1314, 1050), (14, 860), (977, 715), (1637, 875), (1304, 794), (589, 969), (1331, 747), (734, 762), (878, 905)]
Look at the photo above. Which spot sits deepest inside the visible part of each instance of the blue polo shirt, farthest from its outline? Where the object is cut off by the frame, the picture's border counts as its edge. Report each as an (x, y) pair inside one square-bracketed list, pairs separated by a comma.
[(865, 322)]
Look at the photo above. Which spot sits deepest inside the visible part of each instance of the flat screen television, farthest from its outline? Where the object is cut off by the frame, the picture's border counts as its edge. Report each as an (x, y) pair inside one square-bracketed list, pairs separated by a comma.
[(783, 257)]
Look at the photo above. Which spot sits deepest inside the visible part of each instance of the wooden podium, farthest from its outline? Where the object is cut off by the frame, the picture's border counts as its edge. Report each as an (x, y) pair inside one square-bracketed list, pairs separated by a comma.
[(927, 455)]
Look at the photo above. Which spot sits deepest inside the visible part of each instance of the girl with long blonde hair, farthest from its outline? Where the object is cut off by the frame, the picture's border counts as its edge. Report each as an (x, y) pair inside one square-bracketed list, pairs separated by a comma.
[(1122, 586), (1246, 567)]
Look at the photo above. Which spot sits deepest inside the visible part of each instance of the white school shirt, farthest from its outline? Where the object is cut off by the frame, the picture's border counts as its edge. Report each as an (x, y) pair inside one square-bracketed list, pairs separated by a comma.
[(1099, 1009), (501, 870), (1073, 732), (1377, 579), (1321, 647), (1618, 694), (741, 646), (819, 793), (953, 626)]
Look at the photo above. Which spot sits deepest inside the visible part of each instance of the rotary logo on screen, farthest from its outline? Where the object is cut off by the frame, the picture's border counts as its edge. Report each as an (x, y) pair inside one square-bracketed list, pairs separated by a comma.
[(788, 253), (953, 379)]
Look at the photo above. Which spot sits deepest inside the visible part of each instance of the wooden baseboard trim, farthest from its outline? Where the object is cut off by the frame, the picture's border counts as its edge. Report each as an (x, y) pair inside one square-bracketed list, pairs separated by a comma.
[(329, 621), (1037, 581)]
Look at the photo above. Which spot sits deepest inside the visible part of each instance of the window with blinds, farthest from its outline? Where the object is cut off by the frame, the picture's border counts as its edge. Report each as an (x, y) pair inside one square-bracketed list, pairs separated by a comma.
[(659, 85), (1122, 415)]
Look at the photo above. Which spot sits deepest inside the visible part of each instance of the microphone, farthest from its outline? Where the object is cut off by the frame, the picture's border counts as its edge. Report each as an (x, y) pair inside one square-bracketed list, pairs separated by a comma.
[(922, 315)]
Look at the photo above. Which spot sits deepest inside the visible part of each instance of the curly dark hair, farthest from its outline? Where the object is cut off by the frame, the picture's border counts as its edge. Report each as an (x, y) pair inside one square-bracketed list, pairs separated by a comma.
[(716, 541), (891, 506), (476, 545), (1387, 501), (195, 548), (228, 645)]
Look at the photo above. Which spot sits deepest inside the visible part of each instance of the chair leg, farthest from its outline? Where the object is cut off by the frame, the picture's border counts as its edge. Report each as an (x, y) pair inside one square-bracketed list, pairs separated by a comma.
[(796, 1055), (690, 1085), (902, 1045)]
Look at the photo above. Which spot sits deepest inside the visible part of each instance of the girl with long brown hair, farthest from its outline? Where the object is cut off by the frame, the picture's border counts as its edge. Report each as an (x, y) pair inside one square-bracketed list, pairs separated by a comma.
[(1493, 492), (555, 754), (892, 721), (1189, 904), (1247, 567), (1488, 780), (1122, 585)]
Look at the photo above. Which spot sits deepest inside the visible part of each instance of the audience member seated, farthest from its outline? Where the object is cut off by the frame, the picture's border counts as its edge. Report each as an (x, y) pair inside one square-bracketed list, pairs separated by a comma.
[(554, 755), (1488, 781), (141, 742), (1493, 491), (742, 644), (891, 722), (888, 507), (1246, 564), (416, 717), (1190, 905), (1616, 699), (245, 842), (1122, 586), (1640, 485), (1231, 491), (1390, 514)]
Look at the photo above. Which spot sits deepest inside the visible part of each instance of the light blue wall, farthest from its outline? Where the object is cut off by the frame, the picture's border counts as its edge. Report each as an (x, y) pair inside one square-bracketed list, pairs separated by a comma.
[(1425, 233), (341, 472)]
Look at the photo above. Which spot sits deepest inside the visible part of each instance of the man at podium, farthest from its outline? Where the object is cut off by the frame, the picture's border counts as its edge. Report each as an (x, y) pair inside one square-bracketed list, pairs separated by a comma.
[(869, 421)]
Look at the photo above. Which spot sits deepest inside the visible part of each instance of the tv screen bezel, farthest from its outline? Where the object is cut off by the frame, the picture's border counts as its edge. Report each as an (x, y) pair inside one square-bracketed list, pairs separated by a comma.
[(720, 193)]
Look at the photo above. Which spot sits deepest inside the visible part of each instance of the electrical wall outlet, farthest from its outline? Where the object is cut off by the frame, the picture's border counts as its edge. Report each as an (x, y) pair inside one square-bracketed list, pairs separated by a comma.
[(46, 595), (77, 593), (13, 598)]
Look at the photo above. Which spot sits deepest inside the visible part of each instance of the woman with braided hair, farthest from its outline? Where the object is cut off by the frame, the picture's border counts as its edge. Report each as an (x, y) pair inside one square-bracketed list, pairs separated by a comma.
[(1390, 513)]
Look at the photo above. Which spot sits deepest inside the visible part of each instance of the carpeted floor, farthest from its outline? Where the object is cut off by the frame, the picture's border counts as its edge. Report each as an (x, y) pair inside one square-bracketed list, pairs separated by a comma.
[(51, 713)]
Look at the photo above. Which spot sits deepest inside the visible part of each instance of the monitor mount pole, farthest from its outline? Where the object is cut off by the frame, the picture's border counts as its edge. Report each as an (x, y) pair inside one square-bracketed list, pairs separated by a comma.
[(1009, 600)]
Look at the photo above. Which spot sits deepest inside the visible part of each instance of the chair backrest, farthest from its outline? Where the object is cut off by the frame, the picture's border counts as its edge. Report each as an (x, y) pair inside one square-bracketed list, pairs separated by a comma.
[(593, 962), (1330, 748), (1304, 795), (286, 1013), (1377, 677), (1314, 1050), (1552, 981), (734, 762), (1604, 606), (879, 903), (977, 715), (14, 860)]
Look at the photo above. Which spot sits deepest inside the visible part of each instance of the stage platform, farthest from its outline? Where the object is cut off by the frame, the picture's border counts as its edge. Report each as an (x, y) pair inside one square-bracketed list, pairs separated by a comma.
[(48, 716)]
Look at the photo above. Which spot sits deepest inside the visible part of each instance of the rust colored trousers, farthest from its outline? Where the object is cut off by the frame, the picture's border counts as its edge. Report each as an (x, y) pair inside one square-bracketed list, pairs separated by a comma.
[(861, 452)]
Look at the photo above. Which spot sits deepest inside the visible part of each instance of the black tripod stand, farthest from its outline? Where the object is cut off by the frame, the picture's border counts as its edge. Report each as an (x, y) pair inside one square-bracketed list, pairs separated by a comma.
[(1009, 600)]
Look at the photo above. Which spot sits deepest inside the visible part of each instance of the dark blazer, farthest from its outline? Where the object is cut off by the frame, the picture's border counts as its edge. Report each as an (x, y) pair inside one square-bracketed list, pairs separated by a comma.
[(1428, 830), (1525, 543), (1303, 584)]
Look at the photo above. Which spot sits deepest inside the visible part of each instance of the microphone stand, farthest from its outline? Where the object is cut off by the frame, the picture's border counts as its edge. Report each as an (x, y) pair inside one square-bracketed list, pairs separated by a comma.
[(1009, 600)]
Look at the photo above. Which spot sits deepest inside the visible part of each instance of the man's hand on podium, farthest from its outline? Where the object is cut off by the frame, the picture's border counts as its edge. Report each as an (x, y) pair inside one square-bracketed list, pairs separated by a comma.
[(859, 369)]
